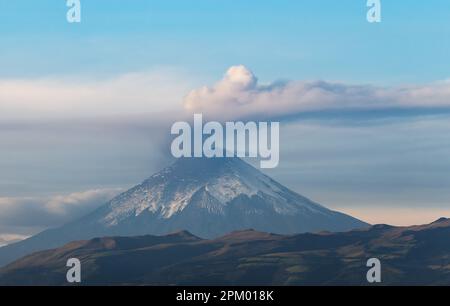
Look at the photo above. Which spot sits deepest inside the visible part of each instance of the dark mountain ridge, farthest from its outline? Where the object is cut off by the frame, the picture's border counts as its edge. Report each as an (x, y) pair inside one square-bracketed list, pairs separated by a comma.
[(415, 255)]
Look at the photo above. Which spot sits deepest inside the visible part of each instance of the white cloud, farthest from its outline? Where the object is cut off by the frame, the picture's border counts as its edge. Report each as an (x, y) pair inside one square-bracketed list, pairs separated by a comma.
[(65, 204), (239, 95), (6, 239), (42, 212), (132, 93)]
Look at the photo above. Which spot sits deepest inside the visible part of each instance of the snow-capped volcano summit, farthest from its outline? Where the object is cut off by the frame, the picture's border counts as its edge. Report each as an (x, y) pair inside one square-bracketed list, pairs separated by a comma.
[(207, 197), (210, 197), (170, 191)]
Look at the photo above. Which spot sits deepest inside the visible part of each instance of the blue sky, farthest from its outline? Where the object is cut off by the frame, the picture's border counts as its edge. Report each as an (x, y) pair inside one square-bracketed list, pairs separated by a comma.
[(85, 108), (320, 39)]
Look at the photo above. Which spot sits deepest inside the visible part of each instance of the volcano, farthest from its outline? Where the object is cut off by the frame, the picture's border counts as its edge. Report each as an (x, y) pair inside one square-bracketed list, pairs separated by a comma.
[(207, 197)]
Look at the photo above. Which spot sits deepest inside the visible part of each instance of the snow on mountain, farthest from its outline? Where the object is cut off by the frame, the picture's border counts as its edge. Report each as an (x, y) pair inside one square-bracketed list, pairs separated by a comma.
[(208, 197), (213, 187), (167, 193)]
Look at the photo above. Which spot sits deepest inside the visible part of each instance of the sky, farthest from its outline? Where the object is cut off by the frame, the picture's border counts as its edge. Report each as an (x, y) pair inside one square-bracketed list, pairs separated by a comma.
[(85, 109)]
